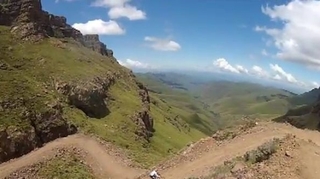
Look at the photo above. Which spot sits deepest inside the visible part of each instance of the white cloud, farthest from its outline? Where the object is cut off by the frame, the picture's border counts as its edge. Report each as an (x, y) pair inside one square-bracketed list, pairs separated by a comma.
[(315, 84), (274, 73), (223, 64), (287, 76), (277, 77), (100, 27), (120, 8), (298, 39), (162, 44), (241, 69), (109, 3), (257, 70), (264, 52), (134, 64), (128, 11)]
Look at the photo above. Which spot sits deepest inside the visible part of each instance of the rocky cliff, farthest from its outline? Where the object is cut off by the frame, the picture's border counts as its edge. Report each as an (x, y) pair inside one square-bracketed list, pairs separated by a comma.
[(48, 92), (29, 22), (93, 42)]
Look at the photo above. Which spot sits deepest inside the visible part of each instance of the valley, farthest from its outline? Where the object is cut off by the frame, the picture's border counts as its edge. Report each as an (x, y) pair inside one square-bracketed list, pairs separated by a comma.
[(69, 109)]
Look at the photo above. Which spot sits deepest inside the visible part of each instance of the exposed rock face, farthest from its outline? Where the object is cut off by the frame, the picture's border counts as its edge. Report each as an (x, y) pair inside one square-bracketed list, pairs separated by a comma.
[(44, 127), (93, 42), (51, 125), (15, 143), (143, 118), (143, 92), (28, 21), (90, 97)]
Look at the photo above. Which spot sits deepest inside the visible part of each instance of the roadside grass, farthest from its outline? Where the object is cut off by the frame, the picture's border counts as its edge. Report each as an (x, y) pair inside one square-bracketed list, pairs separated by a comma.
[(66, 167), (32, 70), (228, 168)]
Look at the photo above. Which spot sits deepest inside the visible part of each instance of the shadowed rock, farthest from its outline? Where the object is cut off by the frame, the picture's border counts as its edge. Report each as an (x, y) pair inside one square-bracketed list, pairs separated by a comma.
[(29, 22)]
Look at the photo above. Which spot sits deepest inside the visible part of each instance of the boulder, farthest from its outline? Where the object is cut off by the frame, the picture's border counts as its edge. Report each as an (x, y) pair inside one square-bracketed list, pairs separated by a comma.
[(91, 97)]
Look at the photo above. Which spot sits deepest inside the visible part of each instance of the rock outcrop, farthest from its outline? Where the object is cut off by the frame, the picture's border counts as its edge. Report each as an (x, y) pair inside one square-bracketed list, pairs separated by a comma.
[(93, 42), (91, 97), (143, 118), (29, 22), (15, 143), (44, 127), (39, 113)]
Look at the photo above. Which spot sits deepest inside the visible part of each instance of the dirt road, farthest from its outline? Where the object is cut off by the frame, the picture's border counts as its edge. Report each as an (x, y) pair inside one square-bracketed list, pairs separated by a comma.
[(236, 147), (103, 165), (106, 166)]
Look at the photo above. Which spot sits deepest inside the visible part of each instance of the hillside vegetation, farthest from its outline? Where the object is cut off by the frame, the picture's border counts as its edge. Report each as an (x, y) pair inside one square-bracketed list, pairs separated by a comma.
[(245, 98), (226, 101), (56, 82), (306, 114)]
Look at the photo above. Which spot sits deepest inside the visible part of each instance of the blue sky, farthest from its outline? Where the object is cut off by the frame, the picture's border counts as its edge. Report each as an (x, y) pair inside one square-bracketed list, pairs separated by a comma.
[(270, 40)]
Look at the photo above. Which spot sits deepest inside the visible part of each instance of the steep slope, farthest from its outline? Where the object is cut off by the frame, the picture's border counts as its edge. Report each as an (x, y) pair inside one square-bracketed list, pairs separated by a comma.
[(194, 111), (305, 98), (55, 82), (225, 100), (307, 113), (226, 97)]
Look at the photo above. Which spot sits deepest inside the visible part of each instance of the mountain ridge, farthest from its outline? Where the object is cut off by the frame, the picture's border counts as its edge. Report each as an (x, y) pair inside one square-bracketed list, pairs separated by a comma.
[(28, 21), (56, 82)]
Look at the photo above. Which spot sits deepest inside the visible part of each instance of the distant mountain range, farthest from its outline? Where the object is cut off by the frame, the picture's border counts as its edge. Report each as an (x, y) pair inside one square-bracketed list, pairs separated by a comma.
[(224, 96)]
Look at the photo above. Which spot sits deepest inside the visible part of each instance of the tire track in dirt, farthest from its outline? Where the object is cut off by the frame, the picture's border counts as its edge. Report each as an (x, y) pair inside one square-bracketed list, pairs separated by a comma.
[(106, 166), (235, 147), (103, 165)]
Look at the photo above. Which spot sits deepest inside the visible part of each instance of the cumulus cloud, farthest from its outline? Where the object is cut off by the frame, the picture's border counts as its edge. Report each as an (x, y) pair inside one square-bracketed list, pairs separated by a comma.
[(241, 69), (224, 65), (287, 76), (100, 27), (315, 84), (275, 72), (257, 70), (162, 44), (298, 37), (134, 64), (120, 8), (277, 77)]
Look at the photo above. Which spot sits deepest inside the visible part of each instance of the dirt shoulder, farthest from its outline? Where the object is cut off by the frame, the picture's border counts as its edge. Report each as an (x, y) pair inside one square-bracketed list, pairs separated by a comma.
[(196, 160), (102, 163)]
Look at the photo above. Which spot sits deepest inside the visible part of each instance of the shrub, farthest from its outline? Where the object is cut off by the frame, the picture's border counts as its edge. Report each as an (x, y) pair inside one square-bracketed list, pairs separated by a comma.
[(263, 152)]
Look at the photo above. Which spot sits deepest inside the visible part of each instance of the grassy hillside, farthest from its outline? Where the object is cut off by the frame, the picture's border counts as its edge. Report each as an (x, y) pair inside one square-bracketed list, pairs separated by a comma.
[(305, 98), (305, 114), (30, 72), (245, 98), (181, 101), (225, 100)]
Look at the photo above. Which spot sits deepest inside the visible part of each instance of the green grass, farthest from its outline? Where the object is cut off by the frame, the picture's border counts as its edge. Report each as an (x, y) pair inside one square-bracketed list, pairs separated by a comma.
[(245, 98), (33, 70), (301, 117), (262, 153), (218, 103), (68, 167)]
